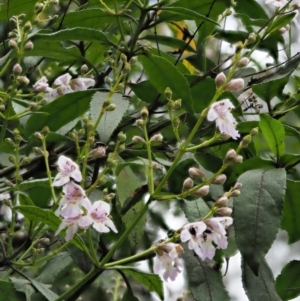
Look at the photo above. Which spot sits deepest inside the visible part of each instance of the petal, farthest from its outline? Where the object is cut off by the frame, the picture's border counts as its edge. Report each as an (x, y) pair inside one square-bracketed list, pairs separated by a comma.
[(76, 175), (208, 250), (111, 225), (100, 227), (157, 267), (185, 235), (62, 226), (86, 203), (85, 222), (71, 211), (71, 231), (212, 114), (63, 79), (102, 207), (60, 179)]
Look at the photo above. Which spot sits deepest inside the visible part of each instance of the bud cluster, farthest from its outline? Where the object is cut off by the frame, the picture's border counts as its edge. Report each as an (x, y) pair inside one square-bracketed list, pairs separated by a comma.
[(232, 157)]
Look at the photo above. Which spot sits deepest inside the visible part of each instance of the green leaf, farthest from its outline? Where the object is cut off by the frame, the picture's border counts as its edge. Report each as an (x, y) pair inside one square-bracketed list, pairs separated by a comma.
[(273, 131), (288, 282), (9, 8), (280, 21), (151, 281), (53, 267), (128, 296), (258, 209), (195, 209), (204, 281), (140, 88), (8, 292), (289, 160), (261, 287), (163, 74), (267, 91), (77, 33), (202, 92), (24, 200), (110, 120), (44, 290), (23, 286), (26, 185), (60, 111), (291, 212)]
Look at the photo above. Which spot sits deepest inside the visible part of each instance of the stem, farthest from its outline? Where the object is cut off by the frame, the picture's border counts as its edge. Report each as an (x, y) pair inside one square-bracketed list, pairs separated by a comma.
[(119, 22), (149, 154), (91, 245)]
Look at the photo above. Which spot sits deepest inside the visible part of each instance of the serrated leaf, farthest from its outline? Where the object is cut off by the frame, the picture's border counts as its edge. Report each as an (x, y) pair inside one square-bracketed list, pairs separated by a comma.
[(273, 131), (257, 213), (151, 281), (261, 287), (110, 120), (24, 286), (288, 282), (204, 282), (53, 267), (291, 212), (60, 111), (163, 74), (44, 290)]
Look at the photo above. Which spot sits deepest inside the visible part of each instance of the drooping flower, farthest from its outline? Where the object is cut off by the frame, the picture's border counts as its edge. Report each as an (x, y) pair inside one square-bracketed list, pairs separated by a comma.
[(63, 83), (220, 112), (168, 261), (67, 170), (99, 217), (73, 201), (82, 83)]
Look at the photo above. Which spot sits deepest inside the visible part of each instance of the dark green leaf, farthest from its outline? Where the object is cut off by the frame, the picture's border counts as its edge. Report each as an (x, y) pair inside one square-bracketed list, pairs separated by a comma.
[(259, 209), (144, 90), (288, 282), (261, 287), (8, 292), (289, 160), (151, 281), (9, 8), (128, 296), (204, 281), (273, 131), (34, 183), (195, 209), (110, 120), (163, 74), (60, 111), (24, 286), (280, 21), (291, 212)]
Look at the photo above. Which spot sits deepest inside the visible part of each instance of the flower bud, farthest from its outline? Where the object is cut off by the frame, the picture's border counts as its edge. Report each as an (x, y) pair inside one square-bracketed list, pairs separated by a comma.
[(177, 104), (235, 193), (133, 60), (239, 46), (23, 80), (238, 185), (204, 190), (196, 173), (282, 30), (127, 68), (8, 183), (27, 26), (235, 85), (138, 139), (9, 141), (28, 46), (251, 38), (220, 179), (230, 157), (12, 159), (123, 58), (84, 69), (121, 137), (99, 152), (140, 122), (220, 79), (38, 135), (2, 108), (90, 125), (187, 184), (222, 202), (144, 113), (176, 122), (38, 150), (25, 161), (45, 130), (254, 132), (244, 61), (239, 159), (109, 197), (121, 148), (171, 105), (111, 107), (17, 69), (246, 140), (107, 80), (168, 93), (13, 44), (225, 211), (156, 138)]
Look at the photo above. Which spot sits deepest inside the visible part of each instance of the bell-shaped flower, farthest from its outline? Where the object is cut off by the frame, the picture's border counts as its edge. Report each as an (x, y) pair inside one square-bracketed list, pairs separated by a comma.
[(63, 83), (67, 170), (99, 217), (168, 261), (82, 83), (74, 202), (220, 112), (72, 224)]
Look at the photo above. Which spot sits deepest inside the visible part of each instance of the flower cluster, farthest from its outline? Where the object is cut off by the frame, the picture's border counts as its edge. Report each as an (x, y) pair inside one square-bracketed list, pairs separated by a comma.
[(281, 3), (64, 84), (75, 209)]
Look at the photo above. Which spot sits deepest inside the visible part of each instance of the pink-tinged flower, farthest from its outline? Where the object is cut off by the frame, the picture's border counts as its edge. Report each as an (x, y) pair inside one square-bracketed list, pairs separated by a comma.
[(72, 224), (67, 170), (277, 3), (220, 112), (73, 201), (63, 82), (82, 83), (168, 261), (51, 94), (235, 84), (41, 85), (100, 218)]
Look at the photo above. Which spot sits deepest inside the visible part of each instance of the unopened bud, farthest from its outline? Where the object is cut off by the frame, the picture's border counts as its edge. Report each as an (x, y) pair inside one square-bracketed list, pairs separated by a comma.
[(28, 46), (27, 26), (73, 136), (81, 132), (220, 179), (144, 113), (38, 150), (246, 140), (123, 58), (222, 202), (111, 163), (254, 132), (234, 85), (13, 44), (282, 30), (23, 80), (252, 38), (107, 80), (171, 105), (84, 69), (235, 193), (244, 61), (99, 152), (133, 60), (204, 190), (44, 241), (9, 141), (91, 140), (230, 157), (196, 173), (127, 68), (140, 122), (224, 211), (25, 161), (138, 139), (168, 93), (220, 79), (12, 159), (38, 135), (238, 185), (111, 107), (90, 125), (121, 137), (154, 165), (176, 122), (239, 159), (109, 197), (239, 47), (156, 138), (8, 183), (19, 179), (187, 184), (177, 104), (85, 119), (17, 69), (45, 130), (121, 148), (2, 108)]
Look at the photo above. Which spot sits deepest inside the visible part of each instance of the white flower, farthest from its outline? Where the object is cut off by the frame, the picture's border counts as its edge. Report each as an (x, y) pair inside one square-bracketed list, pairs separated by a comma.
[(51, 94), (98, 215), (82, 83), (167, 260), (72, 202), (67, 169), (41, 85), (72, 224), (220, 112), (277, 3), (63, 82)]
